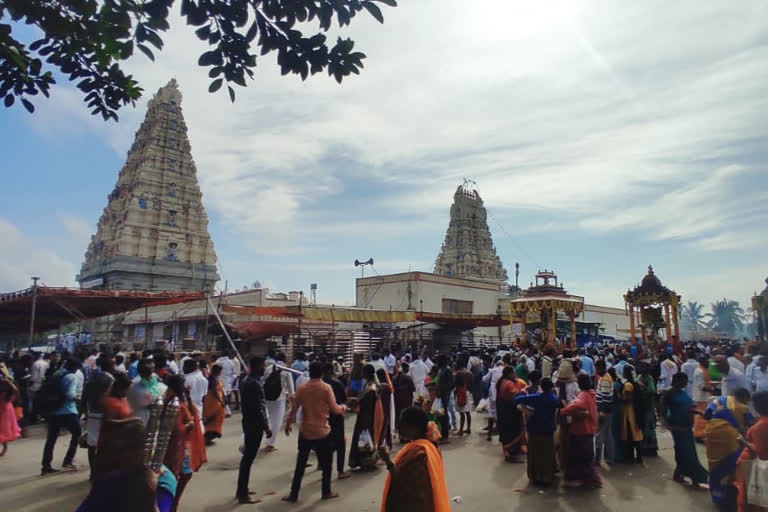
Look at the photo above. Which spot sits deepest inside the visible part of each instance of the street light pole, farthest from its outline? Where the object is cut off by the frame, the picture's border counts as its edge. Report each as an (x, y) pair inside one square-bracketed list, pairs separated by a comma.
[(34, 308)]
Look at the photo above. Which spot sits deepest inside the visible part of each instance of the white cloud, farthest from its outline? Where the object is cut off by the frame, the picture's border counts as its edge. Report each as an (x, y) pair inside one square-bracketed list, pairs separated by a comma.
[(22, 257), (78, 228), (603, 117)]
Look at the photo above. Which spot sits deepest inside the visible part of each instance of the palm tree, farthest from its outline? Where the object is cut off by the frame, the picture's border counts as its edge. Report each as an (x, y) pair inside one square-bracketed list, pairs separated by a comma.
[(693, 316), (726, 317)]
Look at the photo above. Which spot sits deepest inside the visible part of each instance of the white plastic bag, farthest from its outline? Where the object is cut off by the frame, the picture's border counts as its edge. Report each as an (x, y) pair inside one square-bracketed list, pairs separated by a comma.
[(365, 440), (482, 406), (437, 407), (757, 482)]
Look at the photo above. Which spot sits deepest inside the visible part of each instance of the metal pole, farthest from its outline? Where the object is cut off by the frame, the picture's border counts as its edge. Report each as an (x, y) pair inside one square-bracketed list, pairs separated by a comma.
[(146, 326), (34, 308)]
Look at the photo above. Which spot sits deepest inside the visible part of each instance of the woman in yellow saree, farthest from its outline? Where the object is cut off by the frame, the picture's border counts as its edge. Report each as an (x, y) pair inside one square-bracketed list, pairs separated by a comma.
[(631, 433), (728, 418)]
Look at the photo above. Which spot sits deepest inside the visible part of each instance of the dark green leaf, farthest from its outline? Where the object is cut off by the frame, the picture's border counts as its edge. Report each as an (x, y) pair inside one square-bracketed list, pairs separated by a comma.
[(203, 32), (9, 99), (231, 94), (251, 34), (391, 3), (210, 58), (374, 10), (153, 38), (215, 85), (27, 105), (146, 51)]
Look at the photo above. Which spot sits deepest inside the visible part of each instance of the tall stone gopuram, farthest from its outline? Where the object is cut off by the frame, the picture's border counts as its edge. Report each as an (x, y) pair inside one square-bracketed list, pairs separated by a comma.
[(153, 234), (468, 249)]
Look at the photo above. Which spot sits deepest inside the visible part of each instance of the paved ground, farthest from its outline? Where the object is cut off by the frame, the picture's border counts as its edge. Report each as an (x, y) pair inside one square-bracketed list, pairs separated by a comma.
[(474, 471)]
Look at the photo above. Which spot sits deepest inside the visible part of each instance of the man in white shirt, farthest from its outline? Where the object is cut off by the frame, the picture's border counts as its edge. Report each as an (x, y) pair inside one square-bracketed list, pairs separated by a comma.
[(492, 377), (667, 369), (389, 361), (751, 367), (733, 379), (378, 362), (418, 372), (197, 383), (760, 375), (173, 367), (474, 361), (701, 396), (734, 361), (688, 368), (530, 362), (37, 372), (80, 383), (227, 376), (276, 408)]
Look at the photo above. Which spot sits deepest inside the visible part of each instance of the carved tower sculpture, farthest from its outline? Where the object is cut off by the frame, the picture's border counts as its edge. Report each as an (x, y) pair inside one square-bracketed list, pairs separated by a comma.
[(153, 234), (468, 249)]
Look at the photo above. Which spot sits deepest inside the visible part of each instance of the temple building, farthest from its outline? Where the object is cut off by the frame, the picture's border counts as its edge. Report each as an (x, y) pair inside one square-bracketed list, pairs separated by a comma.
[(468, 249), (153, 233)]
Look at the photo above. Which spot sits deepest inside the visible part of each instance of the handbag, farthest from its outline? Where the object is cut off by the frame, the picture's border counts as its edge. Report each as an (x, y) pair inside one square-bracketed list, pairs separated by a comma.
[(756, 475)]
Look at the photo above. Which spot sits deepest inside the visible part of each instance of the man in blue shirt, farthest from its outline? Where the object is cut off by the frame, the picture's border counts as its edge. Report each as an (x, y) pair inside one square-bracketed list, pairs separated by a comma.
[(299, 364), (540, 409), (587, 364), (65, 416)]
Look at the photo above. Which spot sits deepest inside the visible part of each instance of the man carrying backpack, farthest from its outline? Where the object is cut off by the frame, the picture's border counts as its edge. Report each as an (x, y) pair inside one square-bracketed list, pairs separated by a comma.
[(62, 391), (278, 387)]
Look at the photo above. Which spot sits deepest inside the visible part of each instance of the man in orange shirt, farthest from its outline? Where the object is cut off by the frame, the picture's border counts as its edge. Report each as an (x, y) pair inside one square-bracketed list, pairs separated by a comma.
[(317, 403)]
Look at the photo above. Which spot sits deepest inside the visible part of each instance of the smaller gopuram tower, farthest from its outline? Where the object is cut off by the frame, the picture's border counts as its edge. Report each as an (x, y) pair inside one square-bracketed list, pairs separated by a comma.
[(153, 233)]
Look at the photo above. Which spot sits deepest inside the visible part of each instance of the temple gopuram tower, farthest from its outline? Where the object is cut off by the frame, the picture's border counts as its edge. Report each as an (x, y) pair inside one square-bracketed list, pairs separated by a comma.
[(153, 234), (468, 249)]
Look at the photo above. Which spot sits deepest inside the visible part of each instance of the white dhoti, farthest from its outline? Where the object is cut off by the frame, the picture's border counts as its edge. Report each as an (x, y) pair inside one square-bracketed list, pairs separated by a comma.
[(276, 411), (93, 428)]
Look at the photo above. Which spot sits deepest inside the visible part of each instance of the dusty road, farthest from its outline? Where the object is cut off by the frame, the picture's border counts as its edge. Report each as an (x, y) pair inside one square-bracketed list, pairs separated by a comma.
[(474, 471)]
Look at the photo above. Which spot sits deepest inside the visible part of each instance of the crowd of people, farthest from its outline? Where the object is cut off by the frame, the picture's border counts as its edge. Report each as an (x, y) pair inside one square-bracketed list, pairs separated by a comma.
[(564, 411)]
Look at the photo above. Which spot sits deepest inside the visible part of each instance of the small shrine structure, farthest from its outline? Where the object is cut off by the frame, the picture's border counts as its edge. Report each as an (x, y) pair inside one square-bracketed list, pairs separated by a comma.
[(760, 310), (645, 305), (545, 299)]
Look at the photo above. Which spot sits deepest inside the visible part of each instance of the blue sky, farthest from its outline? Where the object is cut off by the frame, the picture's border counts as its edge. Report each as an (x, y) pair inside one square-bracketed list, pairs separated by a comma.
[(603, 136)]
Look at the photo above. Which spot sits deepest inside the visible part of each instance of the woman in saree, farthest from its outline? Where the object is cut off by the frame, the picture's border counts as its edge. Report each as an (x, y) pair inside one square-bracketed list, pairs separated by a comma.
[(387, 406), (645, 400), (677, 411), (186, 448), (370, 418), (580, 469), (728, 418), (509, 417), (416, 479), (214, 408), (404, 389), (618, 416), (756, 444), (125, 484), (631, 434), (9, 425)]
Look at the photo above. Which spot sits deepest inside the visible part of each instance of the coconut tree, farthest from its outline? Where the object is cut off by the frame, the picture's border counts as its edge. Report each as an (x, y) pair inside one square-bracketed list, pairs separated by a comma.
[(727, 317), (693, 316)]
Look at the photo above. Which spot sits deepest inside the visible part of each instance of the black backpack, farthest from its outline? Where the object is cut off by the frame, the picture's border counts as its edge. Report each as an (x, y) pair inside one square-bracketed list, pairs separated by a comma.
[(273, 385), (51, 395)]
